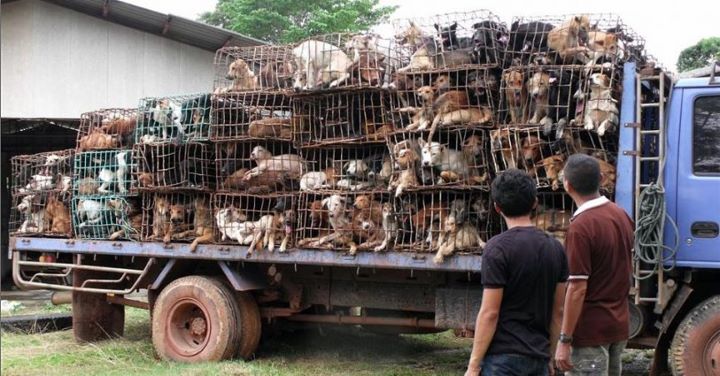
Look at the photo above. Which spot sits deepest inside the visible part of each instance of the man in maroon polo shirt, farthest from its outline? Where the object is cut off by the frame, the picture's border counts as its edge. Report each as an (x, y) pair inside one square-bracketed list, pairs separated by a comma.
[(599, 243)]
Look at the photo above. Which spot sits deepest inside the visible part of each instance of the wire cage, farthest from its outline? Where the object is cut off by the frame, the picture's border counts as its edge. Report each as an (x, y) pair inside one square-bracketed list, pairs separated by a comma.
[(108, 172), (345, 221), (450, 40), (257, 68), (446, 222), (254, 115), (343, 168), (450, 98), (177, 216), (48, 171), (454, 158), (109, 128), (343, 61), (108, 217), (341, 117), (593, 40), (179, 118), (164, 167), (40, 214), (263, 221), (260, 166)]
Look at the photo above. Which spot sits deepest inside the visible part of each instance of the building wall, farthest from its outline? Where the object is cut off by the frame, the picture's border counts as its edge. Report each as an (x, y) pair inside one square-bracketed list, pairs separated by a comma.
[(58, 63)]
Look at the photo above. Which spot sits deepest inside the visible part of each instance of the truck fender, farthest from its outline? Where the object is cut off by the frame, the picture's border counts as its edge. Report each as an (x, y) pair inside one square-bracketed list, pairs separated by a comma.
[(670, 320)]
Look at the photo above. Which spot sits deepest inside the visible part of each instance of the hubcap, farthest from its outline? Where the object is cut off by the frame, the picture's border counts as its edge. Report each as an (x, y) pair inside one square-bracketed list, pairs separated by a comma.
[(712, 355), (188, 327)]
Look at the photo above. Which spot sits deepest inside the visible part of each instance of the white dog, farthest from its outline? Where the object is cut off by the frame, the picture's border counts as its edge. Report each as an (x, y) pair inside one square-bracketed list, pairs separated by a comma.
[(168, 114), (601, 112), (121, 171), (319, 63), (233, 225), (33, 218), (314, 180), (89, 211), (453, 164)]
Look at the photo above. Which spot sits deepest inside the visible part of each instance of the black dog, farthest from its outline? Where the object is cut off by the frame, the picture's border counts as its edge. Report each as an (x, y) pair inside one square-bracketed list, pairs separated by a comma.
[(528, 38), (561, 97), (450, 40), (488, 39)]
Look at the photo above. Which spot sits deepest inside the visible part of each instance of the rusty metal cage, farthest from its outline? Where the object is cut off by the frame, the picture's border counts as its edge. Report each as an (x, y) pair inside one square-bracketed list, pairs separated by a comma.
[(256, 167), (455, 158), (40, 214), (108, 128), (177, 216), (447, 219), (179, 118), (108, 172), (111, 217), (588, 39), (450, 98), (343, 60), (361, 167), (342, 117), (48, 171), (450, 40), (256, 68), (255, 115), (347, 221), (164, 166), (266, 221)]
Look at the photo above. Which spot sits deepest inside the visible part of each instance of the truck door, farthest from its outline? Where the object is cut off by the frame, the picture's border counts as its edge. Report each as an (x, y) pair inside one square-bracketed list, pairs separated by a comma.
[(698, 185)]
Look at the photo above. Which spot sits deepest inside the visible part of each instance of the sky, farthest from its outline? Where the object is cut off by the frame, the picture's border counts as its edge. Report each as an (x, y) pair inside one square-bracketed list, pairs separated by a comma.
[(667, 26)]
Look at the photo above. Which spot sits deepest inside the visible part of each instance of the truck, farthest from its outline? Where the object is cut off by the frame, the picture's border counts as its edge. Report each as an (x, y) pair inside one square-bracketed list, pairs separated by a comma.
[(211, 303)]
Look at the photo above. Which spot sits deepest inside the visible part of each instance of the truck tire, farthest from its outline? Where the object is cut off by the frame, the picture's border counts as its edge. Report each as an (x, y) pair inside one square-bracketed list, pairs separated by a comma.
[(94, 318), (195, 319), (695, 348), (250, 325)]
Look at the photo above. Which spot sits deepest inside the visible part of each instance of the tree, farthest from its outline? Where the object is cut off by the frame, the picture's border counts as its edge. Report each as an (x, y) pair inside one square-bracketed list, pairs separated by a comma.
[(702, 54), (288, 21)]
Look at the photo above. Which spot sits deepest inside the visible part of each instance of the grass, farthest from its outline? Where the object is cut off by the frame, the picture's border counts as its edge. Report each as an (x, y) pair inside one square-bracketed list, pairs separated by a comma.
[(336, 351)]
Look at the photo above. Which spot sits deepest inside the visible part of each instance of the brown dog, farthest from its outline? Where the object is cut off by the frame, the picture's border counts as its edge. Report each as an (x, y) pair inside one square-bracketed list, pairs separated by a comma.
[(98, 140), (608, 174), (161, 220), (277, 74), (122, 126), (565, 39), (424, 116), (530, 152), (145, 179), (553, 167), (538, 87), (515, 95), (367, 204), (368, 67), (242, 76), (202, 223), (57, 216), (502, 143), (554, 221), (266, 182), (270, 127)]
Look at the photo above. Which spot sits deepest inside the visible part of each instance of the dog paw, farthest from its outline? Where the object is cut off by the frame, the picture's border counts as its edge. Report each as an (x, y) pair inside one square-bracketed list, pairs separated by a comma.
[(438, 259), (379, 248)]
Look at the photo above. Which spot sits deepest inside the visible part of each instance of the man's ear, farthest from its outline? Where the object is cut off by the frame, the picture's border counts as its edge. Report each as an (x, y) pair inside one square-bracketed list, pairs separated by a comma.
[(497, 208), (535, 205)]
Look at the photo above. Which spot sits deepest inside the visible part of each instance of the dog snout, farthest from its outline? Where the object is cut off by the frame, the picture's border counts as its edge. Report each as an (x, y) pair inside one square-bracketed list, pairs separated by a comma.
[(229, 77)]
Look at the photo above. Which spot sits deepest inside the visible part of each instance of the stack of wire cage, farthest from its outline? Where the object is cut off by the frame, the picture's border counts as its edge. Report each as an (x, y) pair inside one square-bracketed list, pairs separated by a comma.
[(105, 204), (445, 97), (560, 94), (257, 166), (40, 188)]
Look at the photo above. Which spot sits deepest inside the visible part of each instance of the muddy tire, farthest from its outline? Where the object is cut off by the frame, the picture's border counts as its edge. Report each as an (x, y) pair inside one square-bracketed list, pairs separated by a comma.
[(695, 348), (250, 325), (196, 319)]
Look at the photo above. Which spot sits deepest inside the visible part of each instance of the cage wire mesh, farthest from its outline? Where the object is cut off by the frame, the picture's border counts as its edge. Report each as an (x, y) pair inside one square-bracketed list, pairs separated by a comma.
[(342, 117), (255, 115), (351, 167), (445, 221), (48, 171), (40, 214), (449, 98), (256, 68), (589, 39), (347, 221), (107, 217), (455, 158), (257, 167), (177, 216), (450, 40), (166, 166), (179, 118), (268, 221), (108, 128), (108, 172)]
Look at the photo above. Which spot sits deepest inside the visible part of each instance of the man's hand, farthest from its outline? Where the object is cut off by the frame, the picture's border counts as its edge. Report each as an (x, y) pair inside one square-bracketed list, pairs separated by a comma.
[(472, 372), (562, 357), (551, 367)]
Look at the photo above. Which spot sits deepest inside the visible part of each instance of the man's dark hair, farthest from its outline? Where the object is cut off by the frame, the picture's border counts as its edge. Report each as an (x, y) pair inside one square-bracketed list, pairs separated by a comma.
[(514, 192), (583, 173)]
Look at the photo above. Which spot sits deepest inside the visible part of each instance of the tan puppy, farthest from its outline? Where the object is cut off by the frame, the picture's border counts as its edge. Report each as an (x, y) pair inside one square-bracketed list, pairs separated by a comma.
[(98, 140), (161, 220), (57, 216), (501, 141), (270, 127), (202, 224), (530, 153), (424, 116), (515, 95), (565, 39), (366, 204), (242, 76), (456, 237), (406, 161), (553, 167), (538, 87), (608, 175)]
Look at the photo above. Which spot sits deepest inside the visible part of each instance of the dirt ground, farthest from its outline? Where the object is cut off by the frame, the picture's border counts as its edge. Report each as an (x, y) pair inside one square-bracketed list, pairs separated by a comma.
[(310, 351)]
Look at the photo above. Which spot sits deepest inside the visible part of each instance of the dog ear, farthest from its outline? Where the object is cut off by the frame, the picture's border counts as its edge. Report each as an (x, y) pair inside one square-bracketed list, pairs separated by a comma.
[(325, 201), (421, 142), (437, 27), (454, 26)]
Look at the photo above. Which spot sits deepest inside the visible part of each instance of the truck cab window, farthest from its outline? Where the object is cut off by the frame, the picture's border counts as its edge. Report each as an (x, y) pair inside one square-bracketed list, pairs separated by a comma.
[(706, 136)]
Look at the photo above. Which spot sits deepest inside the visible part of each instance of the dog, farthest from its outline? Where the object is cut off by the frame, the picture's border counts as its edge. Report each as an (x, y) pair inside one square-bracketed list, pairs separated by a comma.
[(341, 225), (264, 233), (515, 93), (452, 164), (122, 126), (128, 214), (268, 181), (448, 37), (390, 227), (368, 68), (243, 78), (406, 161), (319, 63), (87, 186), (568, 38), (202, 224), (424, 117), (488, 39), (366, 204), (553, 166), (57, 216), (121, 172), (538, 87), (529, 37), (30, 207), (167, 116), (427, 55), (293, 165), (471, 115), (276, 74), (89, 212), (313, 180), (146, 179), (178, 229), (286, 218), (270, 127), (603, 44), (97, 139), (530, 152), (502, 142), (608, 176), (161, 226), (39, 182), (554, 221), (601, 111), (366, 230), (456, 237), (232, 224)]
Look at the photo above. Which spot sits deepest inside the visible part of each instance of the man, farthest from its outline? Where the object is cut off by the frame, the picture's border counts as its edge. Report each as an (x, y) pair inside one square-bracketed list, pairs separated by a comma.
[(523, 275), (599, 243)]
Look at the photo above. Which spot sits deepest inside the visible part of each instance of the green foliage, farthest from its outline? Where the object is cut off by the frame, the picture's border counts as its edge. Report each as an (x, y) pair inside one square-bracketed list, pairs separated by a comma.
[(288, 21), (702, 54)]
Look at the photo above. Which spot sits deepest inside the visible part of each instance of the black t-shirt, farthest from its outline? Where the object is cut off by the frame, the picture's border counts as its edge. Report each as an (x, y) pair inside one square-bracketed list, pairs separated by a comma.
[(528, 264)]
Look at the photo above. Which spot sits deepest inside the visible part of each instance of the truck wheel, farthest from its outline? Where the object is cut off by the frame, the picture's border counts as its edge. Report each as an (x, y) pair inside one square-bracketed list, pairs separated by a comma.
[(695, 348), (250, 325), (195, 319), (94, 319)]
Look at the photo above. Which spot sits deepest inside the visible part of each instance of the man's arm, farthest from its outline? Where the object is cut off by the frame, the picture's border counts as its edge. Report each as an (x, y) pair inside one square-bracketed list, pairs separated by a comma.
[(573, 307), (557, 315), (485, 326)]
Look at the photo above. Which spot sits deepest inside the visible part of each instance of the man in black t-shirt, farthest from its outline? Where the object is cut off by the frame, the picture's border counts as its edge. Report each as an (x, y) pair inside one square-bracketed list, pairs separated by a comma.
[(524, 273)]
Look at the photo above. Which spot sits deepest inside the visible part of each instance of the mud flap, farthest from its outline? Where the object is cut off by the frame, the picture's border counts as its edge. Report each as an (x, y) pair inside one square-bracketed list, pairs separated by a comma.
[(94, 319)]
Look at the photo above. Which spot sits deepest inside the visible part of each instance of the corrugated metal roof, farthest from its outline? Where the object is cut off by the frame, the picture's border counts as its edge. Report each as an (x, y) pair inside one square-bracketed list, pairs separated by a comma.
[(170, 26)]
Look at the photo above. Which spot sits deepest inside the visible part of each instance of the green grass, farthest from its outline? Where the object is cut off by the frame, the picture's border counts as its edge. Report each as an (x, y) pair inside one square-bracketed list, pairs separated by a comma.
[(312, 352)]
